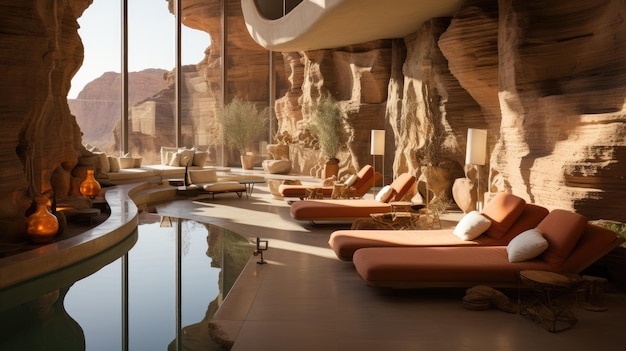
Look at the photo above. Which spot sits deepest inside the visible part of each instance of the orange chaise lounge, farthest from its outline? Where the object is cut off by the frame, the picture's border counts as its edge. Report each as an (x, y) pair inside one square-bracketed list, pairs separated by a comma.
[(361, 183), (349, 209), (572, 244), (509, 215)]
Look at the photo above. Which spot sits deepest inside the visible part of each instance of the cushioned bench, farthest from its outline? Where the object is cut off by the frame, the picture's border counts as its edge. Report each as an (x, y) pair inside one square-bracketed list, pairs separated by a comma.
[(349, 209), (361, 183), (509, 215), (206, 181), (572, 245)]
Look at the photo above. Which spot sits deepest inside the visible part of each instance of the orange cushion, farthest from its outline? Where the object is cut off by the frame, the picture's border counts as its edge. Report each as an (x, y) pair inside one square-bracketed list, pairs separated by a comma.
[(562, 229), (503, 210), (363, 176), (336, 209), (401, 185)]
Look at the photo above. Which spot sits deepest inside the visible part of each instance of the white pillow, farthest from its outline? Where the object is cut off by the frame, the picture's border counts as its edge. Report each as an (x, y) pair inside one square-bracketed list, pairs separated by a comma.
[(175, 160), (351, 180), (186, 155), (526, 246), (384, 194), (471, 226)]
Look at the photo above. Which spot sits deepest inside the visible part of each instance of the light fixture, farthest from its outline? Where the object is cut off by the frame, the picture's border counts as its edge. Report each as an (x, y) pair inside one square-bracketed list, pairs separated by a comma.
[(378, 148), (476, 155)]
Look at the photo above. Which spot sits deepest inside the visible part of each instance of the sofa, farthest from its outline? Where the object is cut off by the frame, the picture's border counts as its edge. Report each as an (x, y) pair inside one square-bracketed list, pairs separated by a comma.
[(509, 215), (350, 209), (563, 242), (359, 184)]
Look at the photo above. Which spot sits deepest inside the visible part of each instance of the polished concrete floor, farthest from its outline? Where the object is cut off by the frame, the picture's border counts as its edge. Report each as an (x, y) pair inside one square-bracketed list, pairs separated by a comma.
[(304, 298)]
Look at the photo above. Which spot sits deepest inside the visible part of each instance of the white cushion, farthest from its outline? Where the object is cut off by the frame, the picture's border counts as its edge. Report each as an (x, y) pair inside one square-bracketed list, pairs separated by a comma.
[(114, 164), (471, 226), (166, 154), (199, 158), (203, 176), (175, 160), (186, 156), (105, 167), (224, 186), (384, 194), (526, 246), (126, 162), (351, 180)]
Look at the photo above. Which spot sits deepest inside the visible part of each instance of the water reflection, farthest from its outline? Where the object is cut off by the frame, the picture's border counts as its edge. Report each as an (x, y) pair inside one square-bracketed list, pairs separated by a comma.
[(155, 291)]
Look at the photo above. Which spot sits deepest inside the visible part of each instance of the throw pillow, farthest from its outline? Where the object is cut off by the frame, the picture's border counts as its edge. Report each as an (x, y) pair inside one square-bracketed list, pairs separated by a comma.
[(175, 160), (186, 157), (199, 158), (351, 180), (384, 194), (526, 246), (471, 226), (114, 164)]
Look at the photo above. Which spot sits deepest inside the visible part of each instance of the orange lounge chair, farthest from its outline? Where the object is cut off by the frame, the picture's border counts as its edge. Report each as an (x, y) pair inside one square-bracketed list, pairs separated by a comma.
[(509, 215), (365, 179), (349, 209), (573, 245)]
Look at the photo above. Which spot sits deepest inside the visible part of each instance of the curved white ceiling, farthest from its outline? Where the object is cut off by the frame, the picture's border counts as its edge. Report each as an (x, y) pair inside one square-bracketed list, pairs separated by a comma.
[(324, 24)]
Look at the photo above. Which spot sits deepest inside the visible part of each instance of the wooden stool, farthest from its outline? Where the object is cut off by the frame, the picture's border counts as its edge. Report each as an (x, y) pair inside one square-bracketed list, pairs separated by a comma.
[(552, 298)]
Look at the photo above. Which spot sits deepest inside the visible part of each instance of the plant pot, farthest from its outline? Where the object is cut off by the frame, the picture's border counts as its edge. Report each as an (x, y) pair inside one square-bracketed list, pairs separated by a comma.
[(331, 168), (247, 162)]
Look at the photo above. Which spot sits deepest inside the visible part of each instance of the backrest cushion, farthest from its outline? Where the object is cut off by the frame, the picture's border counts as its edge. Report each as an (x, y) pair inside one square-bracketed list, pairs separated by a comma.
[(203, 176), (401, 185), (561, 229), (503, 210), (363, 175)]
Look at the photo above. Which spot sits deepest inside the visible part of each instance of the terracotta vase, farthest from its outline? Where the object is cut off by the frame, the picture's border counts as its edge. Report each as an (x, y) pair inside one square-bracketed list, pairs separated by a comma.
[(42, 224), (90, 186), (331, 168), (247, 162)]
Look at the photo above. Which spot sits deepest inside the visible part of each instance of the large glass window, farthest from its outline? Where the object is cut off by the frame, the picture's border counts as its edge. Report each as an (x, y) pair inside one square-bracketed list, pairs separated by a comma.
[(95, 97)]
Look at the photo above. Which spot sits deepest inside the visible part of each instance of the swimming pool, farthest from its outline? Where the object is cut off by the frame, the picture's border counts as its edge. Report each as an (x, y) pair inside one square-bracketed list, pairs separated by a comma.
[(155, 291)]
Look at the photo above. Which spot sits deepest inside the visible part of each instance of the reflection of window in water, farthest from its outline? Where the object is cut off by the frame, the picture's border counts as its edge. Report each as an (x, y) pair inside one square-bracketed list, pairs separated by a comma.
[(89, 299)]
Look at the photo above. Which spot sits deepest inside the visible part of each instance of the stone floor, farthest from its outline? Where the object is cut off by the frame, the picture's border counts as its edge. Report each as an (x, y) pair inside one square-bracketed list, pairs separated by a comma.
[(304, 298)]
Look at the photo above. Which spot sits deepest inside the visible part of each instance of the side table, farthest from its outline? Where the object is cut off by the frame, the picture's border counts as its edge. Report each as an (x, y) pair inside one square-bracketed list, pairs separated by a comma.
[(551, 300)]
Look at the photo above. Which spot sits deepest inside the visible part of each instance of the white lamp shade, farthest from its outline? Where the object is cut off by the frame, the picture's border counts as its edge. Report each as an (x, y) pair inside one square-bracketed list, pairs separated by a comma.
[(378, 142), (476, 152)]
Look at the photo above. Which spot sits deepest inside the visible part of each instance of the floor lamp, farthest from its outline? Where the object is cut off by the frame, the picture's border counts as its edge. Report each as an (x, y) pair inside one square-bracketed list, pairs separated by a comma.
[(378, 148), (476, 155)]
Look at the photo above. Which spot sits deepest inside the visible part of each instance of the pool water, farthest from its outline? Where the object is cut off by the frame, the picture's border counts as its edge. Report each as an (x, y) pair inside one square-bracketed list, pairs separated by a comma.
[(159, 295)]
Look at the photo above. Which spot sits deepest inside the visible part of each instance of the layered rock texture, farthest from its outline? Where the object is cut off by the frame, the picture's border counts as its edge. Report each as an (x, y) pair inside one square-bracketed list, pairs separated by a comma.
[(547, 80)]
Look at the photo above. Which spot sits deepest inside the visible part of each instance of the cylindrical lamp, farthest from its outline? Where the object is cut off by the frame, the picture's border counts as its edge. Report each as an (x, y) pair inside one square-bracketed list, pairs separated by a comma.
[(378, 142), (476, 151)]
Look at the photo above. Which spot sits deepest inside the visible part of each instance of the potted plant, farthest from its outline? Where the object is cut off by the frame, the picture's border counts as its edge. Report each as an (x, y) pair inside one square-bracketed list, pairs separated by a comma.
[(327, 127), (242, 125)]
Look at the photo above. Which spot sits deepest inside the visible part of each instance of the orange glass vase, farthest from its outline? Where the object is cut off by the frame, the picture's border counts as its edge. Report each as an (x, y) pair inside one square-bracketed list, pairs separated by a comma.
[(42, 225), (90, 187)]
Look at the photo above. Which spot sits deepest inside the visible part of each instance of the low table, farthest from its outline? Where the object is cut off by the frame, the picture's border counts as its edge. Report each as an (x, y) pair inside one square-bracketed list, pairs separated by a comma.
[(396, 220), (249, 183), (552, 297)]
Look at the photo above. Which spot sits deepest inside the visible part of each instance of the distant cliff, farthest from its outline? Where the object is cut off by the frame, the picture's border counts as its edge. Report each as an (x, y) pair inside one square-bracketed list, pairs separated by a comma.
[(98, 108)]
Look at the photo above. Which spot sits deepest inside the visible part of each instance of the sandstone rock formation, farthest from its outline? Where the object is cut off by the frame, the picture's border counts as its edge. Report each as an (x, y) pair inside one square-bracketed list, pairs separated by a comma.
[(546, 79)]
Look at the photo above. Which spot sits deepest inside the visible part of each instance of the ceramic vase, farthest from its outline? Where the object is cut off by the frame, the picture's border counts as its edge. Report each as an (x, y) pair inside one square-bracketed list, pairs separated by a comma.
[(42, 224), (90, 186)]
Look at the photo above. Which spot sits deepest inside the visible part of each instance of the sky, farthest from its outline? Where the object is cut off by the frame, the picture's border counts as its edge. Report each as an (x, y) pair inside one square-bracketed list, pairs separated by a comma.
[(151, 40)]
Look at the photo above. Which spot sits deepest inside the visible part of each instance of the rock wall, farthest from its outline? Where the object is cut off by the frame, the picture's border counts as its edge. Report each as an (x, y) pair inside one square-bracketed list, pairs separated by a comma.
[(39, 140), (546, 79)]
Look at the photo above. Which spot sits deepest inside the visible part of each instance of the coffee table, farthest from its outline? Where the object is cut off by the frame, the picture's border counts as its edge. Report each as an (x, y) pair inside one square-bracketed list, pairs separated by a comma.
[(249, 183)]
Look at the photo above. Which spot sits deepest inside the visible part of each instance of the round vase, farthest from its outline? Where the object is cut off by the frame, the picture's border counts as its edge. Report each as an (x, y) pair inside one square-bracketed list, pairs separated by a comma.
[(90, 186), (42, 224)]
